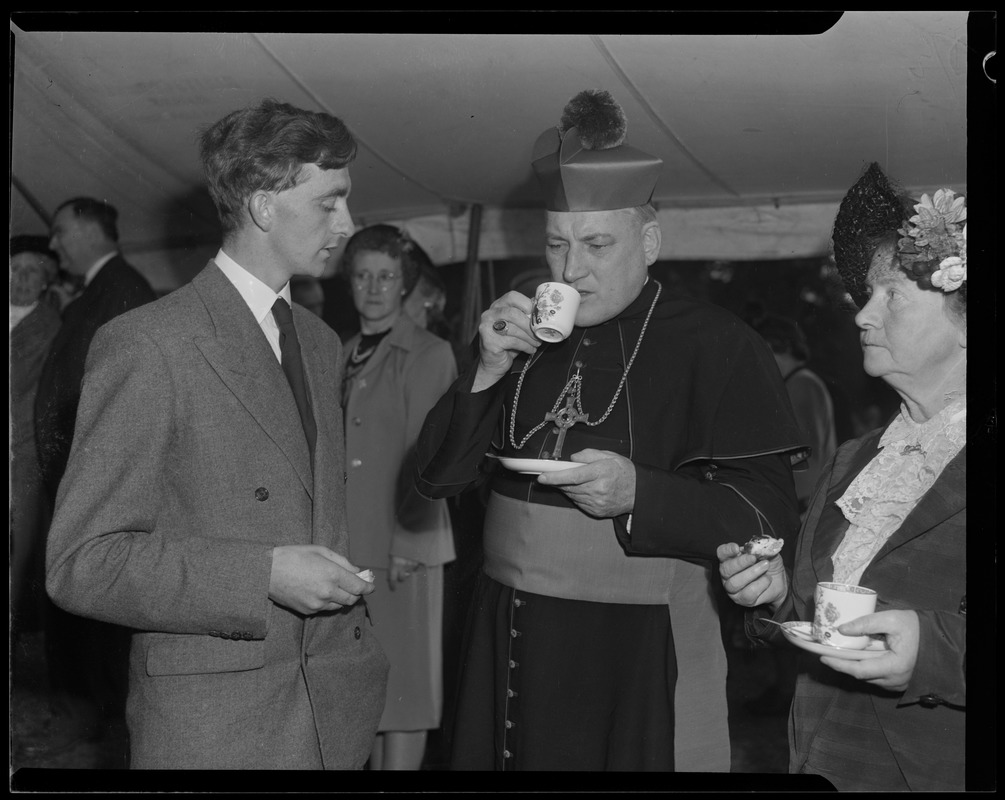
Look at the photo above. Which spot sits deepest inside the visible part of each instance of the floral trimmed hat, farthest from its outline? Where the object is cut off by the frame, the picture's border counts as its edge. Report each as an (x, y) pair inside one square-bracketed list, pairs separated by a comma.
[(931, 245)]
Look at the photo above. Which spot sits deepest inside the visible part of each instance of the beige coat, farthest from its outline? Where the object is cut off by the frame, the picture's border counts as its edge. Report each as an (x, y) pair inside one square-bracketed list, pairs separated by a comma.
[(386, 404)]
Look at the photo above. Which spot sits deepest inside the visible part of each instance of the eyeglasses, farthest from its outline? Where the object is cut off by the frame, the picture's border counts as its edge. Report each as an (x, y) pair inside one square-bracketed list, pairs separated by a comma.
[(362, 280)]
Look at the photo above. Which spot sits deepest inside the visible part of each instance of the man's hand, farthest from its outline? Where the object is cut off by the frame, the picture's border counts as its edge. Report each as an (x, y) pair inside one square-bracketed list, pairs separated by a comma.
[(603, 487), (309, 578), (503, 332)]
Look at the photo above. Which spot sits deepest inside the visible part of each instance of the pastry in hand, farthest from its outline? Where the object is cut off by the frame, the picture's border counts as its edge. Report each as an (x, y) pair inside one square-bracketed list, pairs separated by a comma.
[(763, 546)]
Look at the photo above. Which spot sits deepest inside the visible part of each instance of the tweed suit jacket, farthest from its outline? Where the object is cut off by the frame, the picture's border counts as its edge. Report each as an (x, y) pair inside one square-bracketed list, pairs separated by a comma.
[(117, 288), (921, 567), (189, 465)]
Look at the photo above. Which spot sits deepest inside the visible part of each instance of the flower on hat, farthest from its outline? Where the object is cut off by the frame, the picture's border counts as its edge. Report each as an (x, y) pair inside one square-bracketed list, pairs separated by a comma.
[(937, 234)]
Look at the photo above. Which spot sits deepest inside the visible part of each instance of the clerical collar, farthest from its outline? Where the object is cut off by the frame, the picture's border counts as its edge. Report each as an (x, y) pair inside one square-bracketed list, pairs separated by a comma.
[(639, 307)]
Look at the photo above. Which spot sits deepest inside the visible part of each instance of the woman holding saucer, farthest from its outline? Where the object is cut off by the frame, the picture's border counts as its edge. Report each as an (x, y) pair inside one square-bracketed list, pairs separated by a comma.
[(888, 513)]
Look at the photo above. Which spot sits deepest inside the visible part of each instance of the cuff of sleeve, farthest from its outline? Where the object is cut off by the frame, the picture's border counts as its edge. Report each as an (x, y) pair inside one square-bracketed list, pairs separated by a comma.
[(939, 676)]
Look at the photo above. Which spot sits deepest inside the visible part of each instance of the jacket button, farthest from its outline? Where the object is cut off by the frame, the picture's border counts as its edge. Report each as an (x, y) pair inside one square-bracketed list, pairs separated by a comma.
[(357, 421), (356, 463), (261, 493), (929, 701), (357, 632)]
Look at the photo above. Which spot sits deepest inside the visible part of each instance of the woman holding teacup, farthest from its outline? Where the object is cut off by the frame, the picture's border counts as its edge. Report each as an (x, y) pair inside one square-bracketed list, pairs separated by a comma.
[(889, 514)]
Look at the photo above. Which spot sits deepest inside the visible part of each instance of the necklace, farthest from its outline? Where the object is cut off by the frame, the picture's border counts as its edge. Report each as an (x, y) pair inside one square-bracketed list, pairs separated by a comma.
[(572, 393), (359, 356)]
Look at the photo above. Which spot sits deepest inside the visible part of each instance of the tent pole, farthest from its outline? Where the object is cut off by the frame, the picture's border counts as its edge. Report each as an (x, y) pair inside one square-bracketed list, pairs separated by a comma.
[(36, 206), (472, 279)]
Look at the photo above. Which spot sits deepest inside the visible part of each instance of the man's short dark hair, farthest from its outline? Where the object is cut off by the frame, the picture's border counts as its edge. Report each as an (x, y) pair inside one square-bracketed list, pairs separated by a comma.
[(101, 213), (266, 147)]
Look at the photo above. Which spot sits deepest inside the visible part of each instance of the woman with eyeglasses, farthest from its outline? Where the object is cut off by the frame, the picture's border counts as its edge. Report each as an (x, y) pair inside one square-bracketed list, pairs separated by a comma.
[(395, 371)]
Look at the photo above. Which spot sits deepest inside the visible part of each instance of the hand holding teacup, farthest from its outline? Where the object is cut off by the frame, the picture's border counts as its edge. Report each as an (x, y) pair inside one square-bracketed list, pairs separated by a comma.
[(518, 324), (504, 331), (901, 631)]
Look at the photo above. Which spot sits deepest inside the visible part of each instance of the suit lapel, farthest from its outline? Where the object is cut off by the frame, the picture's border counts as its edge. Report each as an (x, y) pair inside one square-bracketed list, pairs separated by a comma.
[(239, 352), (939, 503)]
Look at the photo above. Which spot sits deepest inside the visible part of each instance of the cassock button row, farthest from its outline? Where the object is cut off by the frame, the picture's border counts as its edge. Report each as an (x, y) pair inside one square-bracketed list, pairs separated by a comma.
[(509, 724), (513, 664), (357, 632), (514, 633), (261, 493), (510, 693), (507, 754), (517, 602)]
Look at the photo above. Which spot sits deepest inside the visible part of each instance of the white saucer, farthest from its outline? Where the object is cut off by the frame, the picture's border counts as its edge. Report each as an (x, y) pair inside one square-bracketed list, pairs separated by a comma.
[(535, 466), (800, 634)]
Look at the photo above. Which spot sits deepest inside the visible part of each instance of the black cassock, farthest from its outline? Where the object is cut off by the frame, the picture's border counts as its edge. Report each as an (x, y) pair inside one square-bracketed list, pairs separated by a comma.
[(706, 420)]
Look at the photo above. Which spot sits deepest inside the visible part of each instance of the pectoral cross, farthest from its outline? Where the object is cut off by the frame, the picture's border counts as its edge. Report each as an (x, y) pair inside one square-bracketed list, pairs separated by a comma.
[(564, 419)]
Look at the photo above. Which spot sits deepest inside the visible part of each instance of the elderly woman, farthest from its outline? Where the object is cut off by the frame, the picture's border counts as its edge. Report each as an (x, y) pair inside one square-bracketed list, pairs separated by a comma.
[(889, 513), (395, 372)]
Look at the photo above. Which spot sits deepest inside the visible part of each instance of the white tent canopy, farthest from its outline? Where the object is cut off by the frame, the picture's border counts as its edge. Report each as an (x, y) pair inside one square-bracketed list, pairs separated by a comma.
[(760, 135)]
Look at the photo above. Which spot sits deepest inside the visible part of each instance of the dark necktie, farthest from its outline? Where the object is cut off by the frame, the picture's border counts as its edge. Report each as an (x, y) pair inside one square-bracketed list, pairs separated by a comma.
[(293, 366)]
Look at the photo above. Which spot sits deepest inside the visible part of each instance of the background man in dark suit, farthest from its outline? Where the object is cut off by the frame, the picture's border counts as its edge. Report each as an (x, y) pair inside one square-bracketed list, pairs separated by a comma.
[(86, 659), (85, 236), (204, 499)]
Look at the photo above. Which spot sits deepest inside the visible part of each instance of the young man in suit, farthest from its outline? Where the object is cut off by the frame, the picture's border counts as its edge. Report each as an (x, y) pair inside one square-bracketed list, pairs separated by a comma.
[(204, 501), (86, 660)]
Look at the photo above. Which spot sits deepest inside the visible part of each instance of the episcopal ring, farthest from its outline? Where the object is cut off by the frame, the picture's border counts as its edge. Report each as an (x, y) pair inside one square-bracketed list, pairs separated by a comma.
[(499, 325)]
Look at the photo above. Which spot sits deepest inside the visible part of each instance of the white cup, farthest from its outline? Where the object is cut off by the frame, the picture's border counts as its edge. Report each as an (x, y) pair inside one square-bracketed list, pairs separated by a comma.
[(836, 604), (554, 315)]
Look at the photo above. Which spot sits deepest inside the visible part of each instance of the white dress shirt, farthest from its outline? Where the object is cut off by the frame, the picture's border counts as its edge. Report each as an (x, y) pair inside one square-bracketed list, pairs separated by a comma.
[(259, 297), (18, 313), (97, 265)]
